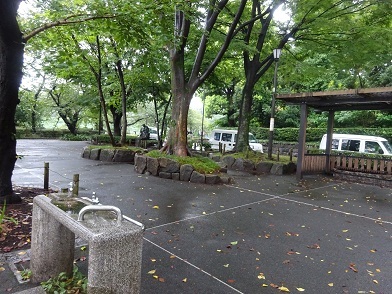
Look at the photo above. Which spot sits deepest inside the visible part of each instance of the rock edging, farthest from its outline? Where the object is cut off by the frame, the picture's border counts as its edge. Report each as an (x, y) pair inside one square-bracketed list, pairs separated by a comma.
[(249, 166), (170, 169)]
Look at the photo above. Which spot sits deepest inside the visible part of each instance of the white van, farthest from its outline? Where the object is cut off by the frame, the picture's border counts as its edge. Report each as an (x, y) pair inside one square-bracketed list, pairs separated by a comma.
[(358, 143), (229, 137)]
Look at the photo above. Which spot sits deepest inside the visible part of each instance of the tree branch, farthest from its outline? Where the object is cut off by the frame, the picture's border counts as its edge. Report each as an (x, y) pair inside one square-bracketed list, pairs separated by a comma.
[(64, 22)]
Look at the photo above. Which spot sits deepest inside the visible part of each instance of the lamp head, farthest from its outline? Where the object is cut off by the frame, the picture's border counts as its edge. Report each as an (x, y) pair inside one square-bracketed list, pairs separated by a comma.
[(277, 53)]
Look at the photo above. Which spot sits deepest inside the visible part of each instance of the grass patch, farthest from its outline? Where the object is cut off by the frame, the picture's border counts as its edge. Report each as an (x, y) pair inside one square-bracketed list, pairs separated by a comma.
[(201, 164)]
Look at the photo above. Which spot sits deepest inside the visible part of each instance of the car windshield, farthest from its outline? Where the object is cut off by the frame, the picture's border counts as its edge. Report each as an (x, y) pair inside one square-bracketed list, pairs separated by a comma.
[(252, 138), (387, 146)]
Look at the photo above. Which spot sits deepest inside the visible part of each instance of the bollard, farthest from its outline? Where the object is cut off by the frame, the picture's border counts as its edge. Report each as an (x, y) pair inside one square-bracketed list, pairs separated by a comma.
[(75, 185), (277, 154), (46, 176), (291, 154)]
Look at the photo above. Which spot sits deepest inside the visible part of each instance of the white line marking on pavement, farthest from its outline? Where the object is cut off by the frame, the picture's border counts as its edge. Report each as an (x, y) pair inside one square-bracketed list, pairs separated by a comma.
[(194, 266), (210, 213), (314, 205), (336, 210)]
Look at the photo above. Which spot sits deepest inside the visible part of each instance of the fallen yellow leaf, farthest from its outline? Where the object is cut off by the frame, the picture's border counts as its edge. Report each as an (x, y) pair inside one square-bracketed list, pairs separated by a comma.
[(155, 277), (153, 260), (2, 269), (261, 276), (375, 281), (155, 207), (184, 280), (151, 272), (301, 289), (330, 284), (284, 289), (265, 285), (226, 265)]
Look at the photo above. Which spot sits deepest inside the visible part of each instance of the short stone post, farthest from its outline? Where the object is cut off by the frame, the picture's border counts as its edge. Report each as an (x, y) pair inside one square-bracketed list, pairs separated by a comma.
[(75, 185), (46, 175)]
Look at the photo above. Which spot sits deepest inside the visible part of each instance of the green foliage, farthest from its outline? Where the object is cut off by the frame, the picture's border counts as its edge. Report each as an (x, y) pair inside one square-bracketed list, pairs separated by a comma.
[(26, 274), (62, 284), (201, 164), (78, 137), (25, 133), (4, 218)]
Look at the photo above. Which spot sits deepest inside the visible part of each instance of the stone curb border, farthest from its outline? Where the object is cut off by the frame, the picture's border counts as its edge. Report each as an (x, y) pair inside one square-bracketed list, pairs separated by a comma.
[(170, 169)]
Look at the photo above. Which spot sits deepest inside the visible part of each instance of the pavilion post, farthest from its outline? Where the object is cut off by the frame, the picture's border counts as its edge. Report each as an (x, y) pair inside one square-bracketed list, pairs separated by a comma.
[(331, 116), (302, 140)]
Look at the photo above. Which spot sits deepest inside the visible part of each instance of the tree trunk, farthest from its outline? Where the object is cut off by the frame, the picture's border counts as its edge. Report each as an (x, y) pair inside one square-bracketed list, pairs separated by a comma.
[(242, 143), (177, 141), (116, 120), (11, 62)]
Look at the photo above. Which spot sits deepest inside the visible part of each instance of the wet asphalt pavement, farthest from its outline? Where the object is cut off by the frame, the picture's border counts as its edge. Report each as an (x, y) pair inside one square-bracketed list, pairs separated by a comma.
[(254, 236)]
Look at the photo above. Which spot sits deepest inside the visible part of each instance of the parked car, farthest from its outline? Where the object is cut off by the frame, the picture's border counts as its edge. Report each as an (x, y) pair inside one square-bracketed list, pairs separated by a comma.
[(358, 143), (153, 133), (229, 137)]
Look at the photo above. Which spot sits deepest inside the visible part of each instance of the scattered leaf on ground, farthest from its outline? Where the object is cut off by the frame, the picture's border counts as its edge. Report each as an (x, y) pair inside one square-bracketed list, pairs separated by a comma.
[(151, 272), (284, 289), (300, 289), (261, 276), (330, 284), (314, 246), (184, 280), (352, 267), (155, 207)]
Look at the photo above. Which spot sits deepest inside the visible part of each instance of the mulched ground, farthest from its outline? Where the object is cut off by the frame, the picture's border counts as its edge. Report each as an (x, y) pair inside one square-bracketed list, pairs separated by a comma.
[(15, 232)]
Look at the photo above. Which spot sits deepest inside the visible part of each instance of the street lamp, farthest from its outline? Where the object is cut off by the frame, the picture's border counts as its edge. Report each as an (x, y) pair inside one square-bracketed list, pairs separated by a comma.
[(276, 53)]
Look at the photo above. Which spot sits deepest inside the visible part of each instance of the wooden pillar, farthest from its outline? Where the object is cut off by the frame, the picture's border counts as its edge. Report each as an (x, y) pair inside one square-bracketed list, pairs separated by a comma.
[(302, 140), (331, 116)]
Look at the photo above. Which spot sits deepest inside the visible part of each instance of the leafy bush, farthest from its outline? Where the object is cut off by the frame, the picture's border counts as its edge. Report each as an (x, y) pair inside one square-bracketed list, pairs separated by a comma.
[(79, 137), (201, 164), (62, 284), (4, 218)]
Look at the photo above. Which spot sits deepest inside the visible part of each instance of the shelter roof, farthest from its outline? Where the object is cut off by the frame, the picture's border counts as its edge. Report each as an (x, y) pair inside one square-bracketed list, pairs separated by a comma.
[(354, 99)]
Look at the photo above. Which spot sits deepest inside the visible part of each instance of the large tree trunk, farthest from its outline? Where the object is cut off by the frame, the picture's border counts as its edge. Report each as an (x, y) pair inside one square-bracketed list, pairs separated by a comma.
[(242, 143), (177, 141), (11, 62)]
